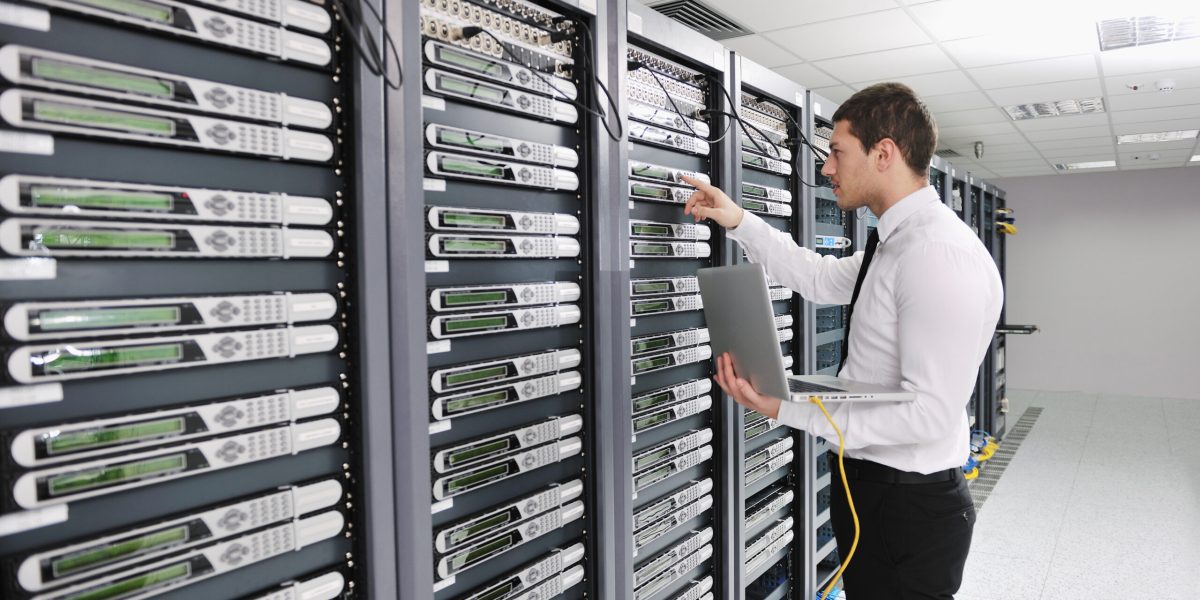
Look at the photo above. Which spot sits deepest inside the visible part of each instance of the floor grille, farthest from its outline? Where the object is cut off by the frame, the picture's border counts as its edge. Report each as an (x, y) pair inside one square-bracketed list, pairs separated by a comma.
[(982, 486)]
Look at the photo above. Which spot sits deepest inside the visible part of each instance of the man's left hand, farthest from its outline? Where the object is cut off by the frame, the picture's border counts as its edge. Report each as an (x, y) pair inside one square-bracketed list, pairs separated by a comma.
[(742, 391)]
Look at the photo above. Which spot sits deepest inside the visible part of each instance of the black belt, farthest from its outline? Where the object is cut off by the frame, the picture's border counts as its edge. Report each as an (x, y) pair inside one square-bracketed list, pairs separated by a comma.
[(865, 470)]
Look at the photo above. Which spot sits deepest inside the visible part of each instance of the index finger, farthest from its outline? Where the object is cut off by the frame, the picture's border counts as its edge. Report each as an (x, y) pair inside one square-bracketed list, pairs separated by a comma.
[(696, 183)]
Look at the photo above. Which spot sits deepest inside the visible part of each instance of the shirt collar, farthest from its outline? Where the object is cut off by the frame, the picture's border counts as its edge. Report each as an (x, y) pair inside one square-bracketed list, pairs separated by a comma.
[(905, 208)]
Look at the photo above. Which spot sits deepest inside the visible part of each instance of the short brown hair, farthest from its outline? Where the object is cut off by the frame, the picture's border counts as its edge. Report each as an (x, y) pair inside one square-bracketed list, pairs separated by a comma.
[(892, 110)]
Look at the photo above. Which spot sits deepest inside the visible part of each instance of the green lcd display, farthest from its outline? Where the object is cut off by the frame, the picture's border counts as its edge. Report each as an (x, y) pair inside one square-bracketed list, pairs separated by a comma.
[(647, 402), (66, 72), (475, 141), (755, 460), (750, 159), (104, 240), (472, 89), (645, 461), (105, 318), (642, 366), (474, 298), (102, 199), (102, 437), (655, 249), (651, 344), (463, 534), (476, 324), (141, 9), (481, 552), (89, 558), (651, 192), (475, 375), (80, 481), (90, 359), (461, 404), (469, 62), (644, 480), (467, 245), (472, 167), (498, 592), (642, 308), (654, 230), (475, 452), (651, 421), (749, 188), (752, 205), (124, 588), (87, 116), (472, 479), (456, 219), (654, 172), (657, 287), (757, 429)]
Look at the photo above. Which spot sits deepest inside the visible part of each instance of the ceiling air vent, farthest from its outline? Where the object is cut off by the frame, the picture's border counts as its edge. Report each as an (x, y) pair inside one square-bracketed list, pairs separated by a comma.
[(948, 153), (701, 18)]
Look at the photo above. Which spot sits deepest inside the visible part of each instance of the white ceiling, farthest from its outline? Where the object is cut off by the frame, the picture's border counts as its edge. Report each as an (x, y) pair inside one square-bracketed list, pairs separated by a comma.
[(969, 58)]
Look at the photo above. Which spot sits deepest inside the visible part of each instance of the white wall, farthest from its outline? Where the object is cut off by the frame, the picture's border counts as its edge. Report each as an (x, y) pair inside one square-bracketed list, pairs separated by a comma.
[(1108, 265)]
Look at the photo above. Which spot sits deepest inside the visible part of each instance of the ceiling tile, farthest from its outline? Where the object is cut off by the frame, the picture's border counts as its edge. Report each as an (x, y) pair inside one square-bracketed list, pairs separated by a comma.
[(957, 19), (1155, 126), (1024, 43), (1158, 114), (1116, 85), (837, 93), (989, 138), (767, 15), (965, 131), (1149, 59), (1086, 171), (807, 75), (944, 103), (971, 117), (968, 148), (888, 63), (1068, 134), (1104, 141), (932, 84), (1015, 162), (1046, 92), (1024, 171), (854, 35), (1034, 72), (1064, 122), (1154, 147), (761, 50), (1145, 155), (1153, 99), (1072, 156)]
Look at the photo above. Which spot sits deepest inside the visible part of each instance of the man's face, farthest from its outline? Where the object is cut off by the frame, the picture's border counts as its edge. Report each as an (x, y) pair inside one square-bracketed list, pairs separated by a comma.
[(849, 168)]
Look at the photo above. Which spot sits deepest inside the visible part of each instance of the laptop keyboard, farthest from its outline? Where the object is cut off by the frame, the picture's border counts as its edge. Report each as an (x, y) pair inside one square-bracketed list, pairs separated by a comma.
[(797, 386)]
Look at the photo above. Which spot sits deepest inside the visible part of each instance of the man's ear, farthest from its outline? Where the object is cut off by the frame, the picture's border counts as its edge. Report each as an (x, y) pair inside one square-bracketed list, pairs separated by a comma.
[(886, 153)]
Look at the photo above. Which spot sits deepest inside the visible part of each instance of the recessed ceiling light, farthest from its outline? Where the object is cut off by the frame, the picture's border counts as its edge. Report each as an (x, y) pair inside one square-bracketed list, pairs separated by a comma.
[(1126, 32), (1058, 108), (1160, 136), (1195, 158), (1098, 164)]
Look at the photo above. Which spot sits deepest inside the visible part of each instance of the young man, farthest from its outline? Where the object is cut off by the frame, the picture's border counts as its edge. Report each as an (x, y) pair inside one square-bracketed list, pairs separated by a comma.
[(924, 300)]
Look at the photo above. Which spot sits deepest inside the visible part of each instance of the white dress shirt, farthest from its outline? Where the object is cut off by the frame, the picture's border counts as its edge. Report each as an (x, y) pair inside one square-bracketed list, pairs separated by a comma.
[(923, 321)]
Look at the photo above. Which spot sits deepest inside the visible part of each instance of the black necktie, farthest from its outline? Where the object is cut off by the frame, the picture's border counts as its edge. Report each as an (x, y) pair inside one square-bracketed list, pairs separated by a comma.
[(872, 244)]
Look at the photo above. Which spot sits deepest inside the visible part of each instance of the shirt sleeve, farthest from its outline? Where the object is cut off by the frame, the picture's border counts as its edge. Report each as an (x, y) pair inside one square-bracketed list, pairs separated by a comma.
[(943, 308), (817, 278)]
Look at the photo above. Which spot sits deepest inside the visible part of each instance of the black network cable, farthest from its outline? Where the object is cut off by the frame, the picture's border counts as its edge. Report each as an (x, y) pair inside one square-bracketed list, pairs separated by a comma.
[(799, 130), (373, 57), (743, 123), (471, 31)]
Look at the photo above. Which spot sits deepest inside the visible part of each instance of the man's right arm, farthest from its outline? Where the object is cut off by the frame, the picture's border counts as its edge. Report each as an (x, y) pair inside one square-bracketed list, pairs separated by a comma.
[(817, 278), (820, 279)]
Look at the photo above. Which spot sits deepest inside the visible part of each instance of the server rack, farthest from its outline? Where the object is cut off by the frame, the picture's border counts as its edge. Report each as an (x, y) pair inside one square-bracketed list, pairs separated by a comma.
[(772, 523), (187, 191), (682, 463), (938, 170), (992, 378), (828, 334)]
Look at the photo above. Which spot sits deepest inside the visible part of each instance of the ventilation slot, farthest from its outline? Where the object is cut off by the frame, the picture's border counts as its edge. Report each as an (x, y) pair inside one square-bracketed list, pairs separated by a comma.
[(948, 153), (701, 18)]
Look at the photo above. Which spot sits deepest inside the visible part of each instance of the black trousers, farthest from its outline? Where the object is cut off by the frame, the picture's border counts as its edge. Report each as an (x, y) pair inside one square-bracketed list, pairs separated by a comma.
[(914, 540)]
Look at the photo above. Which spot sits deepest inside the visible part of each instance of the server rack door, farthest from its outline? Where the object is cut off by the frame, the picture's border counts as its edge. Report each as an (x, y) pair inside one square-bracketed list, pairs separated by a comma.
[(681, 463), (190, 175), (771, 457)]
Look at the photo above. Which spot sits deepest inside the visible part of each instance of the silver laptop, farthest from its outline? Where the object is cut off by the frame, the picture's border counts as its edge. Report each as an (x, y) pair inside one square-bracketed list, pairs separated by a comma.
[(741, 322)]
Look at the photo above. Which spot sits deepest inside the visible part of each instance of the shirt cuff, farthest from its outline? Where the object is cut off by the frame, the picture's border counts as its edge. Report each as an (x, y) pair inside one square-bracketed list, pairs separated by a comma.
[(795, 414)]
